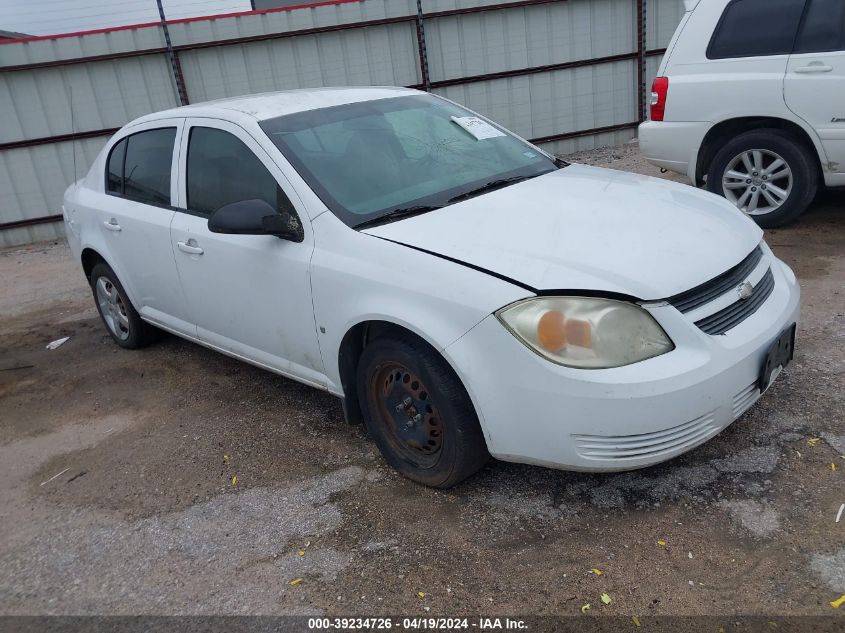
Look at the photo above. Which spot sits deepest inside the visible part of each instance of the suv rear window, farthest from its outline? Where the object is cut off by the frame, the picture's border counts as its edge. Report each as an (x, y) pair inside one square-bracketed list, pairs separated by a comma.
[(823, 29), (754, 28)]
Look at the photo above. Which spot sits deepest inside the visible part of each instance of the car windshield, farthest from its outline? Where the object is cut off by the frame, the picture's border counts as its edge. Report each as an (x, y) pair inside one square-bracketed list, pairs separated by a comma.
[(394, 157)]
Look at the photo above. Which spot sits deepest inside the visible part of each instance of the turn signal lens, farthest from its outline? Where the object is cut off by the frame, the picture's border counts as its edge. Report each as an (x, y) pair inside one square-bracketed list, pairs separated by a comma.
[(551, 331), (586, 332)]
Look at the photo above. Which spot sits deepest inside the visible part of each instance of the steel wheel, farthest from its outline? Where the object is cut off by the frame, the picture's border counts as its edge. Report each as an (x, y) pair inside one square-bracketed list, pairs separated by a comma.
[(112, 308), (408, 414), (757, 181)]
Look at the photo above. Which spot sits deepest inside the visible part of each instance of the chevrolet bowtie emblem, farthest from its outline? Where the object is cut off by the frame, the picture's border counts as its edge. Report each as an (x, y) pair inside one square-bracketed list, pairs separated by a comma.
[(745, 290)]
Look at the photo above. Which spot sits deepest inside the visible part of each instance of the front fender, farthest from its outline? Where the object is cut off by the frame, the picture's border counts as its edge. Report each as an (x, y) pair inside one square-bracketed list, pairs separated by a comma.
[(358, 278)]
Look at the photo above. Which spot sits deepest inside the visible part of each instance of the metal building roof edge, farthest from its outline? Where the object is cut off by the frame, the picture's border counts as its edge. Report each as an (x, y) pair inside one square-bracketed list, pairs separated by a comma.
[(198, 18)]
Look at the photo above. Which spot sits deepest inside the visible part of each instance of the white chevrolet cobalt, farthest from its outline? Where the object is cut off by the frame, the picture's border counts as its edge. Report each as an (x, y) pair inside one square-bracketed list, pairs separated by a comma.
[(463, 291)]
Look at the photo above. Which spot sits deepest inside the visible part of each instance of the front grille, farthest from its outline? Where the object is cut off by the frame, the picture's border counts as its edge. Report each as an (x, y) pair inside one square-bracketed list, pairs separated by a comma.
[(706, 292), (628, 447), (727, 318)]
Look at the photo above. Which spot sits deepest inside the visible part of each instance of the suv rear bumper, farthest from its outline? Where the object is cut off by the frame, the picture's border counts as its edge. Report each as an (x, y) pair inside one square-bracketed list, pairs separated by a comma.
[(673, 145)]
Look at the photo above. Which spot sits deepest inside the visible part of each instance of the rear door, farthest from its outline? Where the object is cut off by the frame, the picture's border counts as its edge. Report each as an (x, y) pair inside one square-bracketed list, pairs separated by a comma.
[(746, 58), (815, 80), (140, 187), (250, 295)]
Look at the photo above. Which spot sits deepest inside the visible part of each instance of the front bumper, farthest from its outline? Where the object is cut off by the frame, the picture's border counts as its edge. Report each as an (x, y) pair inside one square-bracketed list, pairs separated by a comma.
[(534, 411)]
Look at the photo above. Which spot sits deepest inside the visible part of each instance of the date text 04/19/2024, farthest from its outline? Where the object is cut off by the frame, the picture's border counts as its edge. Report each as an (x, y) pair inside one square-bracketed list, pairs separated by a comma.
[(417, 624)]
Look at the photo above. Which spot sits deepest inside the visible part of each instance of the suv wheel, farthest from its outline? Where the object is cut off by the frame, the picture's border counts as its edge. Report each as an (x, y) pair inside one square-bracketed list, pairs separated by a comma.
[(767, 174), (419, 413)]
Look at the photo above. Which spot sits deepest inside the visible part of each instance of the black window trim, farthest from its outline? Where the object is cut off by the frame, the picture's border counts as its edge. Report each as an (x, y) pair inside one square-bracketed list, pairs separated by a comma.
[(122, 168), (709, 52), (122, 193), (202, 214)]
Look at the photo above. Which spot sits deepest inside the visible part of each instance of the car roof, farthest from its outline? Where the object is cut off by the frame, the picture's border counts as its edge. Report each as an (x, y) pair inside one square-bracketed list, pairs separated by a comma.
[(269, 105)]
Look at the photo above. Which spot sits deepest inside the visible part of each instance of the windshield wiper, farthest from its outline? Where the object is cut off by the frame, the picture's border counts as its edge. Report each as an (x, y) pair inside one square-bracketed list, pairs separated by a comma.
[(490, 186), (397, 214)]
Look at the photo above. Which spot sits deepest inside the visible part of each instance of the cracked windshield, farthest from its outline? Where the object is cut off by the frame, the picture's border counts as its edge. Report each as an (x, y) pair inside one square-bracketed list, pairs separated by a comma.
[(414, 153)]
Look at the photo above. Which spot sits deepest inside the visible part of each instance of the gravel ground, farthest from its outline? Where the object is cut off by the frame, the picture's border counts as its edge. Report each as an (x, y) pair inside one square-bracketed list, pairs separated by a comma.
[(118, 496)]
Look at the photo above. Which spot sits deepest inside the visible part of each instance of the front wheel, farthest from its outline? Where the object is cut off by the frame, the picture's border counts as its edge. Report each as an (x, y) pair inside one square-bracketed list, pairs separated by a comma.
[(419, 413), (767, 174)]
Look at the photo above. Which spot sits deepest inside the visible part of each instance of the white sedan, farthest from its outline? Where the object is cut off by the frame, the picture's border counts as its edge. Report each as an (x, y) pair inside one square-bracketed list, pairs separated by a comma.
[(465, 293)]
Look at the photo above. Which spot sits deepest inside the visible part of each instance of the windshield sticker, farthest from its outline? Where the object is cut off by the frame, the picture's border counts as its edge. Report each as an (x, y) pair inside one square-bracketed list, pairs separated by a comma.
[(477, 127)]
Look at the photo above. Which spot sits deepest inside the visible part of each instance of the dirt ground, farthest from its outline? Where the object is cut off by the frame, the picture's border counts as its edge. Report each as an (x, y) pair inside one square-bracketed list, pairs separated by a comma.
[(117, 494)]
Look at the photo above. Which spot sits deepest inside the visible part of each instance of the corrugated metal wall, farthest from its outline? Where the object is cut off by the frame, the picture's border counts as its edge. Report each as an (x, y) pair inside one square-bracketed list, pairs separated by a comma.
[(382, 55), (564, 72)]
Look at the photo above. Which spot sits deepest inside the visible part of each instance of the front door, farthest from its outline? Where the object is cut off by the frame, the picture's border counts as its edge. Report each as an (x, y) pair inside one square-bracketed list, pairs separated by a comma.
[(814, 87), (249, 295)]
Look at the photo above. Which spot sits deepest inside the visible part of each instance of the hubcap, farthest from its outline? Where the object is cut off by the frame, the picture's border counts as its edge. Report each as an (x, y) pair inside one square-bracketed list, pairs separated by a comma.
[(112, 308), (758, 181), (406, 409)]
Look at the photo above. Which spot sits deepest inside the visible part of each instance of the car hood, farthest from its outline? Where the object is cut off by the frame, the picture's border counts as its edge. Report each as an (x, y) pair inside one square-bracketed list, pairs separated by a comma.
[(586, 228)]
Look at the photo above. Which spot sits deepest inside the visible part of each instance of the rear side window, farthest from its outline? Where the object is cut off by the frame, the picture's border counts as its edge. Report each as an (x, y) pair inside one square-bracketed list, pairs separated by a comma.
[(222, 169), (139, 167), (755, 28), (823, 29)]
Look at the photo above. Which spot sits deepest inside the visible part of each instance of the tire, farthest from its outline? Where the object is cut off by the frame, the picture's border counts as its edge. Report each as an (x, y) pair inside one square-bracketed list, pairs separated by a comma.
[(392, 370), (764, 147), (122, 321)]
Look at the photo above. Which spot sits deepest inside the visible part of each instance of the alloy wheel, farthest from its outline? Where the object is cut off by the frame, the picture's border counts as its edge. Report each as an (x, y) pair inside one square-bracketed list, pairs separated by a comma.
[(112, 308), (757, 181)]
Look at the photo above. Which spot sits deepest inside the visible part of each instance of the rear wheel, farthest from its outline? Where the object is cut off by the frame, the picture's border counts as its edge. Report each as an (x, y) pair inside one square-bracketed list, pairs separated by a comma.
[(122, 321), (768, 174), (419, 413)]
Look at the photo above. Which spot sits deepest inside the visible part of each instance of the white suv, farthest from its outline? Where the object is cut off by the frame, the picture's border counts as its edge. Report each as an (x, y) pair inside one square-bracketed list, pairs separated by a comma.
[(750, 99)]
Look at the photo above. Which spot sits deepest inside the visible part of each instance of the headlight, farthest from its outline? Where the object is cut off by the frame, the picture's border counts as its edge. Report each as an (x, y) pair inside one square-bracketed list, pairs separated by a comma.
[(585, 332)]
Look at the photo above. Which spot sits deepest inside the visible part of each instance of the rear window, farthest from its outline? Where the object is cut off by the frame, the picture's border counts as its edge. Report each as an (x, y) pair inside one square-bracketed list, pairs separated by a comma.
[(823, 29), (756, 28)]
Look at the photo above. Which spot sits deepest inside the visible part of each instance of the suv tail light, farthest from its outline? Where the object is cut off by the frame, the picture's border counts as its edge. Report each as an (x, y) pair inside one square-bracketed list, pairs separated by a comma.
[(659, 92)]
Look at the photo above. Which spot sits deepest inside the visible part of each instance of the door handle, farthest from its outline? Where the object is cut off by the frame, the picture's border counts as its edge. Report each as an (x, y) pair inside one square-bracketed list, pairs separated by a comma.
[(190, 247), (814, 67), (112, 225)]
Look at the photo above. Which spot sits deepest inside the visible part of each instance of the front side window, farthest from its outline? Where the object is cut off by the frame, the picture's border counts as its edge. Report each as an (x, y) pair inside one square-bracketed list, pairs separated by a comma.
[(823, 29), (222, 170), (371, 159), (752, 28)]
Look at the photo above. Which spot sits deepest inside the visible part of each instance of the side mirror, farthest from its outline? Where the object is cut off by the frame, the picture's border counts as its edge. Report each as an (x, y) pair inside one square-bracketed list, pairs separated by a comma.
[(255, 217)]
